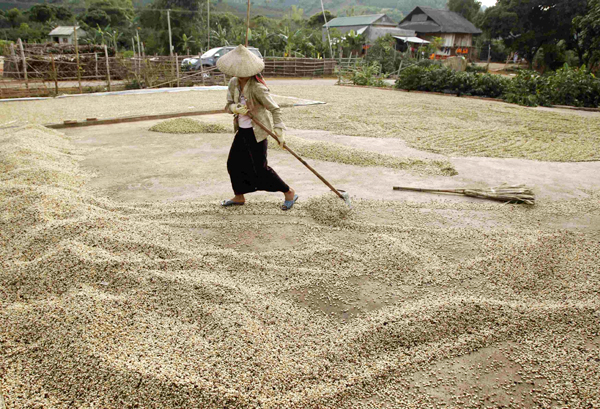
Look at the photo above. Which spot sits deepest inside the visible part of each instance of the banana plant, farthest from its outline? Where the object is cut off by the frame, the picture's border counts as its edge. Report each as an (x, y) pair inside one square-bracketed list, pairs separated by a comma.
[(102, 33), (185, 42), (220, 35), (113, 37)]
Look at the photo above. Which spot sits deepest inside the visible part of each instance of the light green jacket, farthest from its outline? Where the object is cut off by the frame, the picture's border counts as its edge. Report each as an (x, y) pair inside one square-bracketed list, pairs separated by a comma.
[(258, 101)]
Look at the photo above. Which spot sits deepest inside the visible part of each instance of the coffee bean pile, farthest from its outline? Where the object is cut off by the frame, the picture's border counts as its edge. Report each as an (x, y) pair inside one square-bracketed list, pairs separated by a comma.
[(188, 125), (189, 304)]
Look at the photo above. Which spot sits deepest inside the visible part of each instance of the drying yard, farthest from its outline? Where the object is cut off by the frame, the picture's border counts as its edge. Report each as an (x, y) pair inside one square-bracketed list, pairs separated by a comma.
[(123, 283)]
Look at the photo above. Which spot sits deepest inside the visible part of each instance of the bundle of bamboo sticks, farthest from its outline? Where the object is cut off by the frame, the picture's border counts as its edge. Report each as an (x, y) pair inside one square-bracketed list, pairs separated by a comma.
[(502, 193)]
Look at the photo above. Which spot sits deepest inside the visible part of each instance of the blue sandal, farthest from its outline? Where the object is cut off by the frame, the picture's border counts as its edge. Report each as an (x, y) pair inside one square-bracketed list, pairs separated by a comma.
[(226, 203), (287, 205)]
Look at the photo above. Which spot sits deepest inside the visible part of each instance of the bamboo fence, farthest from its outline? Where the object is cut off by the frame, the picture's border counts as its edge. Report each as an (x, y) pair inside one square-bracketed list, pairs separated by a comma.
[(299, 67), (40, 70)]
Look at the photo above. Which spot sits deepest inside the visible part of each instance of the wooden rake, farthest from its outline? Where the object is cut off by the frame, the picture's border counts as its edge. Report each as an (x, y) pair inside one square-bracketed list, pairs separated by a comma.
[(340, 193)]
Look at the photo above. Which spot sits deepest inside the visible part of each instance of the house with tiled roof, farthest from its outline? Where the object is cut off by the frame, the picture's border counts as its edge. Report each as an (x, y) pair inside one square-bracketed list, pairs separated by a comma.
[(455, 31)]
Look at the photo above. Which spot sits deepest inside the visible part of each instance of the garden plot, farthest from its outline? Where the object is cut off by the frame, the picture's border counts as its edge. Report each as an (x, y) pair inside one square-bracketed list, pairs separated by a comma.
[(126, 284)]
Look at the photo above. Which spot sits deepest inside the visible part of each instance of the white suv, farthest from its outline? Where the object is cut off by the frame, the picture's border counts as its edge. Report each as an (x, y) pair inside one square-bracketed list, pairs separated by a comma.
[(209, 58)]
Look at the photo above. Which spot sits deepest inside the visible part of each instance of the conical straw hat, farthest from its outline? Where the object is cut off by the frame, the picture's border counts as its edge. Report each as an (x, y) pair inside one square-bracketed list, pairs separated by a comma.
[(240, 63)]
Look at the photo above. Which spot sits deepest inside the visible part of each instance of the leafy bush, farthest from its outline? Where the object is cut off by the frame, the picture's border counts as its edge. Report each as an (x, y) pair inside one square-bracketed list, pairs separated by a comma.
[(576, 87), (477, 68), (436, 78), (567, 86), (527, 88), (489, 85), (368, 75), (432, 78)]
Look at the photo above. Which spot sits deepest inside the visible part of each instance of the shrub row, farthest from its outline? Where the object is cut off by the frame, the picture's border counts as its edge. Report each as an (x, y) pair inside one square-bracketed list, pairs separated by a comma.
[(566, 86)]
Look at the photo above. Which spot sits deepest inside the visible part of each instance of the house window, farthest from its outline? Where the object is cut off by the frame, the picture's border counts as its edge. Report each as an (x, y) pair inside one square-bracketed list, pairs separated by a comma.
[(65, 40)]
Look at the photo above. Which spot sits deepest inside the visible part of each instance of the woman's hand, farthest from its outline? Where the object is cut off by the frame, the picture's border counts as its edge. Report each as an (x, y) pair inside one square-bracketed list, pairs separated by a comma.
[(238, 109), (279, 133)]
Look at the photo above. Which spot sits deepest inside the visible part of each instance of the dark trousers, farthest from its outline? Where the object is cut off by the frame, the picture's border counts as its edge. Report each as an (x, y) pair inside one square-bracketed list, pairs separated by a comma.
[(247, 165)]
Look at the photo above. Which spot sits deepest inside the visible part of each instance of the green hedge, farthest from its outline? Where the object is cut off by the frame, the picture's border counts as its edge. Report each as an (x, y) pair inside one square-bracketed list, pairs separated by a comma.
[(566, 86)]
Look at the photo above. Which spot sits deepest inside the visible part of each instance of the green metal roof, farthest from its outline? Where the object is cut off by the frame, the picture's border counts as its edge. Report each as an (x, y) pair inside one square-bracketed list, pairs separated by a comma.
[(65, 31), (354, 20)]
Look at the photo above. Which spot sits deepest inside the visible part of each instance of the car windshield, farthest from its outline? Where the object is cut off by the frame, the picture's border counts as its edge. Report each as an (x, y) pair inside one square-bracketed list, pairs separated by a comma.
[(210, 52), (255, 52)]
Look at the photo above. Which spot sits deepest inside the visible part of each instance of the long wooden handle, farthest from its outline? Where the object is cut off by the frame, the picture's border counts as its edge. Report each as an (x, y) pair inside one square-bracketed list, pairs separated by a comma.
[(334, 190), (418, 189)]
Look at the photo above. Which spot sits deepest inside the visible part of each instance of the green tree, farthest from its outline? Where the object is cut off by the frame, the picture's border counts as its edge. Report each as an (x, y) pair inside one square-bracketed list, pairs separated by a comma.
[(96, 18), (587, 28), (526, 26), (15, 17), (317, 20), (62, 13), (119, 12), (42, 13), (4, 23), (384, 53), (466, 8)]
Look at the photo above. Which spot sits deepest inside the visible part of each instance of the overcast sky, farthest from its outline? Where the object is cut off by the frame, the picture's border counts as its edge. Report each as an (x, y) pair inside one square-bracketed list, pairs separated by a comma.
[(488, 3)]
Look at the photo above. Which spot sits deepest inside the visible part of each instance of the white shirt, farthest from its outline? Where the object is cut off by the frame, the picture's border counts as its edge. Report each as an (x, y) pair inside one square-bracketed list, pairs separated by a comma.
[(244, 121)]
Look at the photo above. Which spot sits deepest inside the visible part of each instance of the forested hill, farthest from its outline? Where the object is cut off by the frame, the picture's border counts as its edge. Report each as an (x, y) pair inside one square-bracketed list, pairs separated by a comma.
[(396, 9)]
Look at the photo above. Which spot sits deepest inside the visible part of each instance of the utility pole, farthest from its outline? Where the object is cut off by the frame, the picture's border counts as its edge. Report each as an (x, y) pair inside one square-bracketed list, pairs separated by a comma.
[(170, 35), (247, 23), (208, 23), (327, 28)]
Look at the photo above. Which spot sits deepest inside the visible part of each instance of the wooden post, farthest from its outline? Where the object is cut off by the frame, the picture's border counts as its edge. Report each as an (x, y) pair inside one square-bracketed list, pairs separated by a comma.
[(107, 67), (170, 35), (202, 72), (24, 63), (177, 67), (137, 34), (54, 74), (134, 60), (96, 59), (14, 58), (77, 59)]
